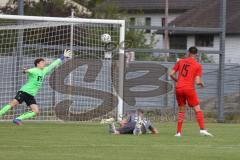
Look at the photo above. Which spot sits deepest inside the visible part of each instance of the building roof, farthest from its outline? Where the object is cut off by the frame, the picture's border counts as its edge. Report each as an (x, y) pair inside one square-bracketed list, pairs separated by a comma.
[(209, 16), (155, 5)]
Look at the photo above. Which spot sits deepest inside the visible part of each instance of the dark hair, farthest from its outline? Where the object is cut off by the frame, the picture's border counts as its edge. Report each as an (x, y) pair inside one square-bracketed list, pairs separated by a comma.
[(140, 111), (38, 61), (193, 50)]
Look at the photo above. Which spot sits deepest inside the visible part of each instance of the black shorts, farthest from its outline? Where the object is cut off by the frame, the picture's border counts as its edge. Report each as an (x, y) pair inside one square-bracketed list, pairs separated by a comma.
[(25, 97), (129, 127)]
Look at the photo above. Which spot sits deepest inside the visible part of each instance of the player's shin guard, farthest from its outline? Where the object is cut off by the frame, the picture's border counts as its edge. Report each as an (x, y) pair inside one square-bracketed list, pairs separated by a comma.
[(27, 115), (200, 119), (5, 109), (181, 116)]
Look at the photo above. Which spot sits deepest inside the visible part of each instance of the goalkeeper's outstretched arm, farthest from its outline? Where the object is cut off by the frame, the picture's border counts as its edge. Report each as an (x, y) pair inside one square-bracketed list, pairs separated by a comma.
[(56, 63), (25, 70)]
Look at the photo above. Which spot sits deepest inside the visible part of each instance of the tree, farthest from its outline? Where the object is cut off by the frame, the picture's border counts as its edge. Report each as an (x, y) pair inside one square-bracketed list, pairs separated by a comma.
[(206, 59), (100, 9), (53, 8), (137, 37)]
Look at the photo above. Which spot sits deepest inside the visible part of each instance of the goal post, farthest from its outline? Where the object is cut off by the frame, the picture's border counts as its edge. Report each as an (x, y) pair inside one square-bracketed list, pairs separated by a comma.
[(121, 72), (87, 87)]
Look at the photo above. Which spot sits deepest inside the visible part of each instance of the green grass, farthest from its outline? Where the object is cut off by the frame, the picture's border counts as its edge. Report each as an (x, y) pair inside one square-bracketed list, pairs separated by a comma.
[(52, 141)]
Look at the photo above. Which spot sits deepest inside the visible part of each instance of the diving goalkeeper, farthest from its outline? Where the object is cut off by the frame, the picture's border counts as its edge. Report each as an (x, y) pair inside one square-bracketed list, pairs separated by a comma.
[(30, 89), (135, 124)]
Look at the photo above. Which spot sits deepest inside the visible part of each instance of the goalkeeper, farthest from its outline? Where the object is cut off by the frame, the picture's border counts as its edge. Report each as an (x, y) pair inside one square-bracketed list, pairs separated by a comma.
[(135, 124), (29, 90)]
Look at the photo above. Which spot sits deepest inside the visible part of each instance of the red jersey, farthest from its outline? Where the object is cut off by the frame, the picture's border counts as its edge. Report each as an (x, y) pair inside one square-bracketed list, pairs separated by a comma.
[(188, 69)]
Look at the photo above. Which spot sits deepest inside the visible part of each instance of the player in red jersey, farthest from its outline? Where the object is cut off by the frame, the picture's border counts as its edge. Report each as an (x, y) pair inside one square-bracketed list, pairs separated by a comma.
[(189, 71)]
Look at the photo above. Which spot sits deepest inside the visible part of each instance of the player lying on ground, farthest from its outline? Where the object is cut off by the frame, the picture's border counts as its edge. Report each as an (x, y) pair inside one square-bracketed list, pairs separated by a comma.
[(135, 124), (189, 71), (29, 90)]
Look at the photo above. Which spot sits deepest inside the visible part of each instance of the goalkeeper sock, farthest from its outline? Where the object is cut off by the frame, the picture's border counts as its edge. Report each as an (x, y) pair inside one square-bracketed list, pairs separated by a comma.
[(181, 116), (5, 109), (26, 115), (200, 119)]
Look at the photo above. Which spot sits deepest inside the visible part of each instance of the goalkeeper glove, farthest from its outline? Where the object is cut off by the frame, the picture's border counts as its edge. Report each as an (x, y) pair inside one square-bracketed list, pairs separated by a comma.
[(24, 70), (67, 53)]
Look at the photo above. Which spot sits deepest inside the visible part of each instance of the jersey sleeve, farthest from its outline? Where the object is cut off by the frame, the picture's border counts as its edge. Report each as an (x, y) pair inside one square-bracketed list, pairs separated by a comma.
[(199, 71), (176, 67), (53, 65)]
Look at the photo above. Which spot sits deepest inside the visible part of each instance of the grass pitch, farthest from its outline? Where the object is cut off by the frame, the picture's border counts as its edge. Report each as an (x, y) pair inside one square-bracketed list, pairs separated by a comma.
[(56, 141)]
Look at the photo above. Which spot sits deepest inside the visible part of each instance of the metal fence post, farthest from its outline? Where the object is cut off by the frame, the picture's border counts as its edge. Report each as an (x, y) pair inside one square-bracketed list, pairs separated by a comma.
[(19, 45), (220, 98)]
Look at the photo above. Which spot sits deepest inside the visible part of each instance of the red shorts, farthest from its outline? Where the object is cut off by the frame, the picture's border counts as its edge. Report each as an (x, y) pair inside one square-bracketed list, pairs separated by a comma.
[(187, 96)]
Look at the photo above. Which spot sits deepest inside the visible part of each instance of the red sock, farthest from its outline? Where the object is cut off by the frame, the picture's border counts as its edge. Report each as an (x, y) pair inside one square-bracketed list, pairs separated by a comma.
[(200, 119), (181, 116)]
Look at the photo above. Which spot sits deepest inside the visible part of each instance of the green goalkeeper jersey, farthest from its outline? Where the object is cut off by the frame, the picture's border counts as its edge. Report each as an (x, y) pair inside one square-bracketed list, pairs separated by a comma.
[(36, 76)]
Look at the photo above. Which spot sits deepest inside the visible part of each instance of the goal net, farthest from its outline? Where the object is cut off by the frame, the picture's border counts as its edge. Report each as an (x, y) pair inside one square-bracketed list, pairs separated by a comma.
[(84, 88)]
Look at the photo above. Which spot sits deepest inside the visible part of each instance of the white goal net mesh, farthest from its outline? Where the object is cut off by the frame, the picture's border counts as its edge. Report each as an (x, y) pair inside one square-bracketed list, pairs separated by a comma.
[(81, 89)]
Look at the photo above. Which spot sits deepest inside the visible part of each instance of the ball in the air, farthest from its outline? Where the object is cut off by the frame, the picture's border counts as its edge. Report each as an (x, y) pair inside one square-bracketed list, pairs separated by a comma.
[(106, 38)]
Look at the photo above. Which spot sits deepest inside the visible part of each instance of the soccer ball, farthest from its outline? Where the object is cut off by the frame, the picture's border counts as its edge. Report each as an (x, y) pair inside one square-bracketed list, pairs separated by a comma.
[(106, 38)]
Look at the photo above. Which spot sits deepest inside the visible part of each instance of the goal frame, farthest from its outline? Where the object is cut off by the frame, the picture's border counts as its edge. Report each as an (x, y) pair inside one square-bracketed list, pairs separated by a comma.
[(85, 20)]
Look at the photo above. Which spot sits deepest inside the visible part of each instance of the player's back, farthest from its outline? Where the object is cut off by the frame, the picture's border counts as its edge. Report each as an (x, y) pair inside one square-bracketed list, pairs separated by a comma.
[(187, 69)]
